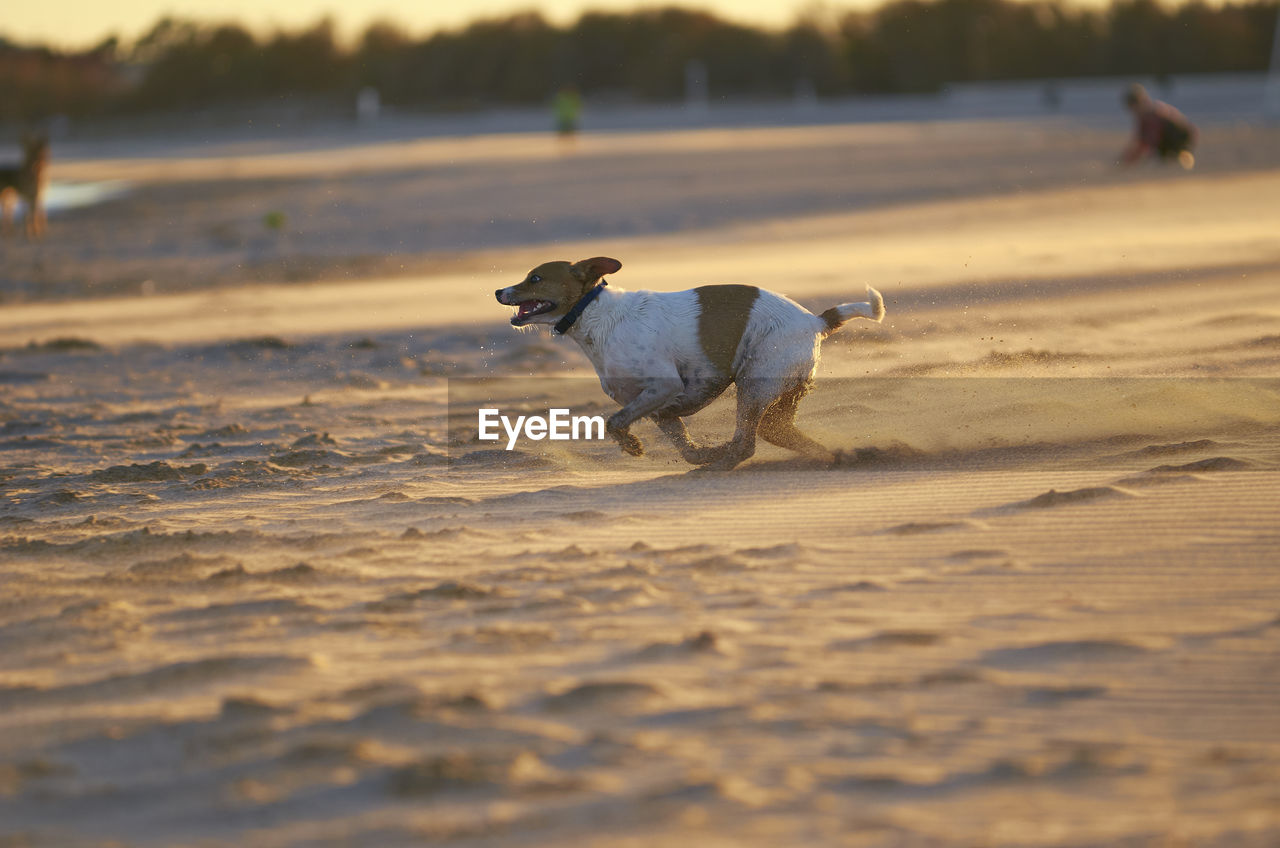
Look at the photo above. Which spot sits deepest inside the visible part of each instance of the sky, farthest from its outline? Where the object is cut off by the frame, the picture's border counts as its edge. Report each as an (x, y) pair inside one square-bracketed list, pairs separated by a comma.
[(83, 23)]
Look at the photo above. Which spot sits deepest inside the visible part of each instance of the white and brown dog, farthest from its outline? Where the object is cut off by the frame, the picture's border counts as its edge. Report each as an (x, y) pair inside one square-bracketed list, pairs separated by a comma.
[(665, 355)]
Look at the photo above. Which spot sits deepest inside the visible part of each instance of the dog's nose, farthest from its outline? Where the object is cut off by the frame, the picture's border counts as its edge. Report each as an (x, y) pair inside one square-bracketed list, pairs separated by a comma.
[(498, 295)]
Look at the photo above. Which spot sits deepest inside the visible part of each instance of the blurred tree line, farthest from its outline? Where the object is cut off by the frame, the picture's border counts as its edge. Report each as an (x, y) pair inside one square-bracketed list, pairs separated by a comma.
[(902, 46)]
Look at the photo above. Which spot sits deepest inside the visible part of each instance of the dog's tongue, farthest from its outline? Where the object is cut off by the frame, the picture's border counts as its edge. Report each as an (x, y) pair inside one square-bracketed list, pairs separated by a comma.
[(528, 307)]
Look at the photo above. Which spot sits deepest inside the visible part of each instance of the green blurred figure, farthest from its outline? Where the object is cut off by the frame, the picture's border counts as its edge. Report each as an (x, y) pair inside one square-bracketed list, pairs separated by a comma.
[(567, 108)]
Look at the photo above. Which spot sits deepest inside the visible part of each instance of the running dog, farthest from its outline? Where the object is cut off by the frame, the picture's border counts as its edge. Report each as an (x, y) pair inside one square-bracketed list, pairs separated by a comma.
[(665, 355), (27, 181)]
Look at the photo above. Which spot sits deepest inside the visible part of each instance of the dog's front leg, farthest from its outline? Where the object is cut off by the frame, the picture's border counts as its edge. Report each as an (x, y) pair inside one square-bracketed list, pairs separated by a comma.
[(690, 452), (654, 395)]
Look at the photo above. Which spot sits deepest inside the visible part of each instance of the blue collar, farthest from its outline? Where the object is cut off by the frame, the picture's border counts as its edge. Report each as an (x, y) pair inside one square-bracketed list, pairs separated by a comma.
[(571, 317)]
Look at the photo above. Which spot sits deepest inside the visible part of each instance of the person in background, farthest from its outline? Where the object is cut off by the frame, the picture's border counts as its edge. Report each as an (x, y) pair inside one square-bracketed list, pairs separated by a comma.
[(1159, 129), (567, 108)]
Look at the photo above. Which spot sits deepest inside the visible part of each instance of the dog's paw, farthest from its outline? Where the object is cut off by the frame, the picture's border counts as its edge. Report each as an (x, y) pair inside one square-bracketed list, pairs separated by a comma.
[(701, 455), (629, 443), (725, 463)]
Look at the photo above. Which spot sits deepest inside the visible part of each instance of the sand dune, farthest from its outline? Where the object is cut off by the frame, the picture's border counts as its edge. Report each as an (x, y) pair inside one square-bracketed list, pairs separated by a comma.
[(263, 584)]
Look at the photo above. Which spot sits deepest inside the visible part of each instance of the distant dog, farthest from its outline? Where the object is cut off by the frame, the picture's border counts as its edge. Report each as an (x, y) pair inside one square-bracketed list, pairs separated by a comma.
[(27, 181), (665, 355)]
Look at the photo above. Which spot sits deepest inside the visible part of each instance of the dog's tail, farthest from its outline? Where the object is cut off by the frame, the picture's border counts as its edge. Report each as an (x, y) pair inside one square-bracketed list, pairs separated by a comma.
[(836, 316)]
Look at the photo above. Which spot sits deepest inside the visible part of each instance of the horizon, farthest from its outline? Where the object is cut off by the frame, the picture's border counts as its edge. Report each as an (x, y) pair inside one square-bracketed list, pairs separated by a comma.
[(79, 25)]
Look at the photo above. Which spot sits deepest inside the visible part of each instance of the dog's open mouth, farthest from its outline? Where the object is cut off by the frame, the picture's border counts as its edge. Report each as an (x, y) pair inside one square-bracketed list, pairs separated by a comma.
[(526, 309)]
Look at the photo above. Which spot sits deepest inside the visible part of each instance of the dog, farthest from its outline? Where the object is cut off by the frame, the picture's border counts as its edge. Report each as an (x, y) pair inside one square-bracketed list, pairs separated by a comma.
[(27, 181), (666, 355)]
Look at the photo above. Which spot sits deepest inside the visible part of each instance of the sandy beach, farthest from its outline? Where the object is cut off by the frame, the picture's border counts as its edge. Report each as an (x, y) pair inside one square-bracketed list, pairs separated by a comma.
[(263, 585)]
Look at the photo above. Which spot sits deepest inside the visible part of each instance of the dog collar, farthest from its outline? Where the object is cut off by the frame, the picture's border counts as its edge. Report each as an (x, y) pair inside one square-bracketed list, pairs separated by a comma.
[(571, 317)]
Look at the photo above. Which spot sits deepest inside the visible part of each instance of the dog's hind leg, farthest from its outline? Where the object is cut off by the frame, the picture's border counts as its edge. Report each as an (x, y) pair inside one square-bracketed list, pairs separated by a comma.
[(778, 426)]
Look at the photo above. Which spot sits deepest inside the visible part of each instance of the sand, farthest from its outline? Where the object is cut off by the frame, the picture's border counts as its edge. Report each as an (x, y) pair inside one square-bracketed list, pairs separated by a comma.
[(263, 586)]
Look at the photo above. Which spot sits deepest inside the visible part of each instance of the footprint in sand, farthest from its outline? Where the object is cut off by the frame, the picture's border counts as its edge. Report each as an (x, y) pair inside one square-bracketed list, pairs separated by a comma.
[(1189, 471), (1053, 498), (1176, 448), (152, 472), (916, 528), (891, 639), (614, 693), (1063, 653), (1048, 696), (1216, 463)]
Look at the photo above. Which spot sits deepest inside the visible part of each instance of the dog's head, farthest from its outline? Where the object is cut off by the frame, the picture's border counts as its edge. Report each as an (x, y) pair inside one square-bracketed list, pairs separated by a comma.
[(549, 291)]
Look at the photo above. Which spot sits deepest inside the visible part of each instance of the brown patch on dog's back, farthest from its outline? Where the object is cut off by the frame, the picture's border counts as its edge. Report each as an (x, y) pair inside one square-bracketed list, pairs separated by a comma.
[(723, 312)]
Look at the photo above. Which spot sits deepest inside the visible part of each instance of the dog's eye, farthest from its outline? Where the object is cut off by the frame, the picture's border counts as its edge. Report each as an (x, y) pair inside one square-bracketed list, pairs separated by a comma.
[(534, 278)]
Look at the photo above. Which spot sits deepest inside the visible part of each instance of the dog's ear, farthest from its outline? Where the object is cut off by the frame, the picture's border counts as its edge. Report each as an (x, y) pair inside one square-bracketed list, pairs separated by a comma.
[(590, 270)]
